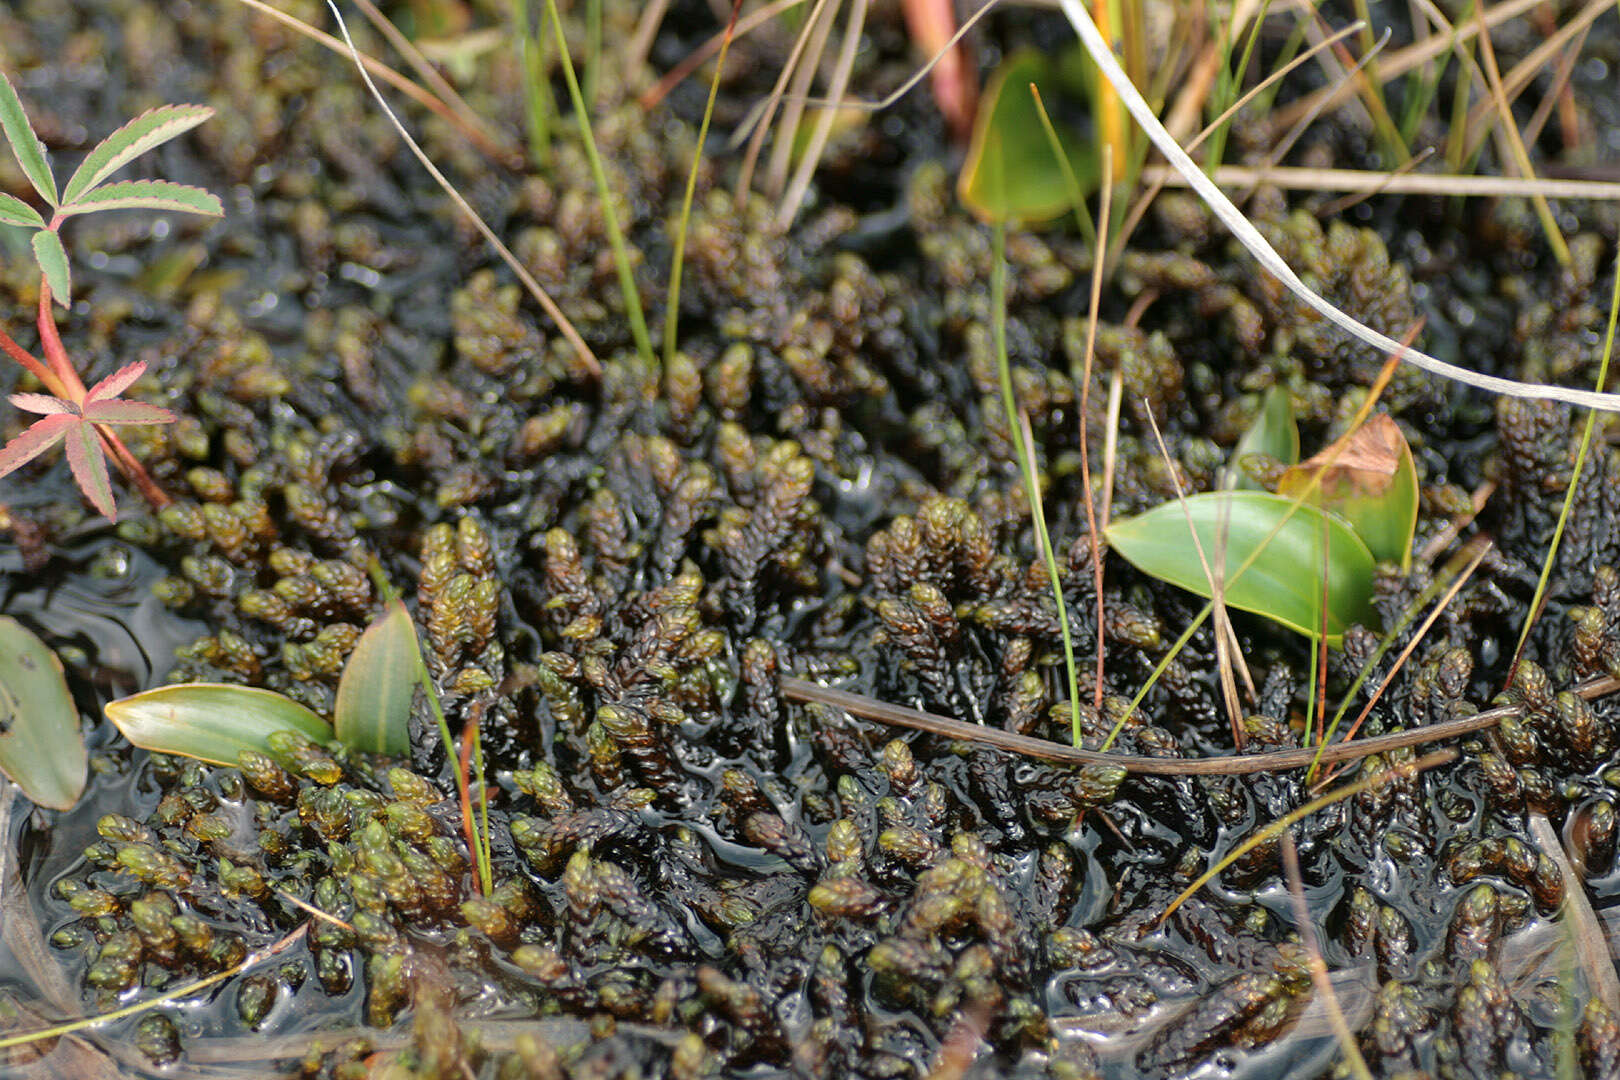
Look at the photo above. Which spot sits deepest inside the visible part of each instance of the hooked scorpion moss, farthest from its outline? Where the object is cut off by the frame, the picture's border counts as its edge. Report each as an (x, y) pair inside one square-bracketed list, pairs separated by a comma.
[(692, 876)]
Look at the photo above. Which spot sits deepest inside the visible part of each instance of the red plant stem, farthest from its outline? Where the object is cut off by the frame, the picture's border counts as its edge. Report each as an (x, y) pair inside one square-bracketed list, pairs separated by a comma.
[(51, 342), (33, 366), (464, 787), (133, 470), (63, 381)]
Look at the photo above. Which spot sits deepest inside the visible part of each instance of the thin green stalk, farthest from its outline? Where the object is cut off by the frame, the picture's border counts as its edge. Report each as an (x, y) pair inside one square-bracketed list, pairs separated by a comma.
[(672, 306), (1071, 183), (1282, 824), (1457, 138), (1226, 88), (621, 254), (1574, 477), (539, 106), (1017, 429)]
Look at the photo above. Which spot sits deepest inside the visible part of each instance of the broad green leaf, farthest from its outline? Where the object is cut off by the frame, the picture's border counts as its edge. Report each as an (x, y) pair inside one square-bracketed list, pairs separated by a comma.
[(147, 195), (41, 748), (374, 697), (1010, 174), (1371, 483), (147, 131), (1284, 582), (13, 211), (24, 143), (1273, 433), (53, 263), (211, 721)]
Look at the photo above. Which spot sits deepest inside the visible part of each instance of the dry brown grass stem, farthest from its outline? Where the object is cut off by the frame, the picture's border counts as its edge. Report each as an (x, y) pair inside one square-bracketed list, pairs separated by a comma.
[(491, 143), (1313, 954), (762, 120), (681, 71), (1340, 205), (1151, 191), (1291, 178), (1225, 639), (1422, 632), (1558, 97), (543, 298), (640, 44), (842, 71), (1398, 63), (869, 708), (1521, 158), (1094, 305), (419, 64), (1526, 70)]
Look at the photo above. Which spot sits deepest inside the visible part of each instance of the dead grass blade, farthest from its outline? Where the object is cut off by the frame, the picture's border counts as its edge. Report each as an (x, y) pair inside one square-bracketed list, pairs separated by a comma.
[(1217, 590), (1094, 306), (1461, 185), (1339, 206), (419, 64), (494, 145), (1313, 952), (760, 124), (1287, 821), (1591, 943), (681, 71), (586, 357), (798, 97), (1534, 62), (824, 120), (1521, 158), (1398, 63)]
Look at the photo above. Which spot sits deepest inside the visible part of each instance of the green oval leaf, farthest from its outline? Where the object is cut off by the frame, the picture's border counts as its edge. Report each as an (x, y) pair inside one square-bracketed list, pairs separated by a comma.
[(24, 143), (1285, 580), (147, 195), (53, 263), (41, 747), (147, 131), (211, 721), (1010, 174), (1370, 480), (375, 695), (1273, 433), (13, 211)]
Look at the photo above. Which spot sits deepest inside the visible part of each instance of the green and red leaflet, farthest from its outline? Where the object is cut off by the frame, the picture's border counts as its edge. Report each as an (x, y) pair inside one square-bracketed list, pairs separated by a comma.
[(74, 425)]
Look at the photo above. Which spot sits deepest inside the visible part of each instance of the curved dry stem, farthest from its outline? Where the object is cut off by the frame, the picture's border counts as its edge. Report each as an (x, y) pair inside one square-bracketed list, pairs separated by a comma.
[(868, 708)]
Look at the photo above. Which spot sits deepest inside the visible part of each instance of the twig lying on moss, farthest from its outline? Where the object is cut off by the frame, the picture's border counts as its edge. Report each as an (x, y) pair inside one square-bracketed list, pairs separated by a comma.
[(795, 689)]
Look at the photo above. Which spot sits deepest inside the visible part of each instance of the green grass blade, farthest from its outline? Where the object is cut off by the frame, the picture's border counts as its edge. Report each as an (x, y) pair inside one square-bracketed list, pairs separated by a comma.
[(1018, 431), (146, 132), (672, 306), (539, 106), (24, 143), (1574, 478), (621, 254)]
